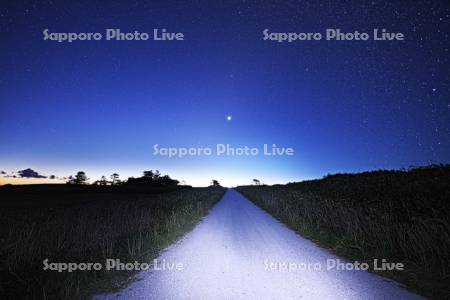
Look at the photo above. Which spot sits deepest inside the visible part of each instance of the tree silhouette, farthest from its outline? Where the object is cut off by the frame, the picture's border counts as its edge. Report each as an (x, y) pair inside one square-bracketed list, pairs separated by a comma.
[(167, 181), (148, 174), (151, 178), (103, 181), (80, 178), (115, 179), (256, 182), (214, 182)]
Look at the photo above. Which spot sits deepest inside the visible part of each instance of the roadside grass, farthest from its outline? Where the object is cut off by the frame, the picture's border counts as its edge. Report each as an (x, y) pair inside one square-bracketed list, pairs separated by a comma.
[(89, 227), (402, 216)]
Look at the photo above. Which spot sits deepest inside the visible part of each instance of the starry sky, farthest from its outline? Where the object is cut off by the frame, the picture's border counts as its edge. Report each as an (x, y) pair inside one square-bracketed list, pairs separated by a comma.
[(344, 106)]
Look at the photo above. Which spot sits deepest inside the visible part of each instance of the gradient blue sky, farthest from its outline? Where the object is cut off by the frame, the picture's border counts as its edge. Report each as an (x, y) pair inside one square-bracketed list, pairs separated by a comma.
[(100, 106)]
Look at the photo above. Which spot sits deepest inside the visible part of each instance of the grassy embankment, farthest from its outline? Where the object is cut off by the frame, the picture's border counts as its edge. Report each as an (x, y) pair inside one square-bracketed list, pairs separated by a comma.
[(403, 216), (88, 224)]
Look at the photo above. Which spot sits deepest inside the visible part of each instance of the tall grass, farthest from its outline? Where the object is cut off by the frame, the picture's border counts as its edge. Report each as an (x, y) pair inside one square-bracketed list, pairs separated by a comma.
[(402, 216), (129, 227)]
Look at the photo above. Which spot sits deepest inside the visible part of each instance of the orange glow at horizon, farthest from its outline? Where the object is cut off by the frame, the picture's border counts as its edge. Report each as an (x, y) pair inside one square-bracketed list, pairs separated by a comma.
[(19, 180)]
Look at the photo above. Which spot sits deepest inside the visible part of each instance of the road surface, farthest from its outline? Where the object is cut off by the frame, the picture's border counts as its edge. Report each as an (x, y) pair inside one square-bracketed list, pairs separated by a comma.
[(241, 252)]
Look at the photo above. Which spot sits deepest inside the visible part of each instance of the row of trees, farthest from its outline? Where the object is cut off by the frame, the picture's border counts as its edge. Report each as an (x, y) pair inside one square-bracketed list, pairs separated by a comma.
[(148, 178), (79, 178), (153, 178), (103, 181)]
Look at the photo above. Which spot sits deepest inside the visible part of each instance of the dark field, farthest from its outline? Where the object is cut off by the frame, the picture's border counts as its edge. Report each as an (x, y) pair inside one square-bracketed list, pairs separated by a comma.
[(66, 223), (403, 216)]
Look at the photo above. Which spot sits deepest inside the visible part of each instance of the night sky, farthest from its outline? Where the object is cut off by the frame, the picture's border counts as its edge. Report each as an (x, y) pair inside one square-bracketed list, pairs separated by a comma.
[(344, 106)]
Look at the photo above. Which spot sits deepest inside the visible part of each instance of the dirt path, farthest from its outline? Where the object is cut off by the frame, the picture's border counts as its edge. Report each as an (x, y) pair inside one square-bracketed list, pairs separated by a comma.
[(238, 252)]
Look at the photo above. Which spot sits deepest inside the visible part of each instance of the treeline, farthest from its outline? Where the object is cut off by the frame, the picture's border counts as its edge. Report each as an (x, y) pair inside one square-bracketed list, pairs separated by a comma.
[(149, 178)]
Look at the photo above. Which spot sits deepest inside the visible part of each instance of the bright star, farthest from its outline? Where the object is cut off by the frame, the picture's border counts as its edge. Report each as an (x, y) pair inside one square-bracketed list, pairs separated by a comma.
[(228, 118)]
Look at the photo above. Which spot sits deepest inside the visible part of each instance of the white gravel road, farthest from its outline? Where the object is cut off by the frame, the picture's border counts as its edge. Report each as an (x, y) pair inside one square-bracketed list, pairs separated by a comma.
[(239, 252)]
